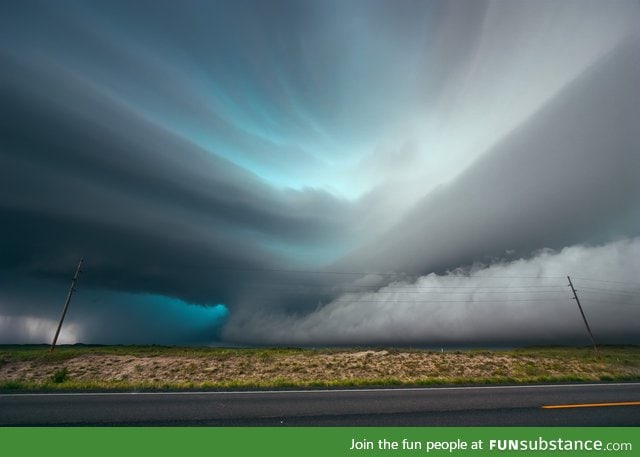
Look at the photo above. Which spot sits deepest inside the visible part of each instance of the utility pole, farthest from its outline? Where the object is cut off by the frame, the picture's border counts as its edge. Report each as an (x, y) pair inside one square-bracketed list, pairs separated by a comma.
[(584, 318), (66, 304)]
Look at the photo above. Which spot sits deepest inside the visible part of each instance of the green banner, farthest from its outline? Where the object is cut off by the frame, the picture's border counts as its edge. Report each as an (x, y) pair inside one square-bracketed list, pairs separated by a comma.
[(317, 441)]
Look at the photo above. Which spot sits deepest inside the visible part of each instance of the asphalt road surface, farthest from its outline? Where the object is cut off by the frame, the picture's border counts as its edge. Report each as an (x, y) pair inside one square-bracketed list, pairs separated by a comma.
[(609, 404)]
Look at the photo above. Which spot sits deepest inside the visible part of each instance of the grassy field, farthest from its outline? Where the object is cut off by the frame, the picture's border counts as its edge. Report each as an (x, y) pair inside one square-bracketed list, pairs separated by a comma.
[(158, 367)]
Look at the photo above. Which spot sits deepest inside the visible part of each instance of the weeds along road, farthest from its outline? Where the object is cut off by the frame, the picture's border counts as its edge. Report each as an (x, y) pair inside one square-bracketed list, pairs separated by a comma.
[(615, 404)]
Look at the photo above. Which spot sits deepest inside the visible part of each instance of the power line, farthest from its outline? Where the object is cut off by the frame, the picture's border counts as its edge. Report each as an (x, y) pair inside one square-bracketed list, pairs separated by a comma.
[(607, 302), (492, 292), (610, 291), (273, 283), (526, 287), (318, 272), (450, 301), (412, 289), (377, 273), (607, 280)]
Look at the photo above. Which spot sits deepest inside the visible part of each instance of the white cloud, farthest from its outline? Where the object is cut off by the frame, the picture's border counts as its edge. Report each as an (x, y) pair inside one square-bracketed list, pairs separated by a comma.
[(522, 301)]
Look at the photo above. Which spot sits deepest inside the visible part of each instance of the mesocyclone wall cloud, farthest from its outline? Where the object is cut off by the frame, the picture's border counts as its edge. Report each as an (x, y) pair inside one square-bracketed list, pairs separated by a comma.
[(320, 172)]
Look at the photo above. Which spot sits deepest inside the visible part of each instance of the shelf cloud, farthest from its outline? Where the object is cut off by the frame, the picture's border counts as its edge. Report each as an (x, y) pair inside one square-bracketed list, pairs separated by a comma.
[(231, 173), (523, 301)]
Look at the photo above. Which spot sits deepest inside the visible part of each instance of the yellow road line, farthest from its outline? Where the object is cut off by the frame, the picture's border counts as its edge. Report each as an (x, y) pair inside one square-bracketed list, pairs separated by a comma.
[(593, 405)]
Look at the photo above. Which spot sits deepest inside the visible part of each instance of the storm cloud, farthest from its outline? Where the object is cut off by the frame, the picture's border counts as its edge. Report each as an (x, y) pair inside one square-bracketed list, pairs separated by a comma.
[(235, 171), (524, 301)]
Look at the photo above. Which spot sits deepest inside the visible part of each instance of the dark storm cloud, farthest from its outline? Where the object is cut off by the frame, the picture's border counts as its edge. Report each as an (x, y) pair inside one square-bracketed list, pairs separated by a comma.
[(113, 190), (205, 153)]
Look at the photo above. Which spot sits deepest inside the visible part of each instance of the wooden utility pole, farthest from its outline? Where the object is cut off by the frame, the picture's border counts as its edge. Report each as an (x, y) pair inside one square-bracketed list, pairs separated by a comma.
[(66, 304), (584, 318)]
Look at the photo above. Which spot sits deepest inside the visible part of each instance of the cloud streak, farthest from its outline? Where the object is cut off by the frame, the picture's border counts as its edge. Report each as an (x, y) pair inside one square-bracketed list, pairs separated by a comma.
[(263, 156)]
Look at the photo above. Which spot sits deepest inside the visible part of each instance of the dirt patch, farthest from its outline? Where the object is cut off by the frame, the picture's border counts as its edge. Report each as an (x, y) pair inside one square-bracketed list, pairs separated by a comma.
[(316, 368)]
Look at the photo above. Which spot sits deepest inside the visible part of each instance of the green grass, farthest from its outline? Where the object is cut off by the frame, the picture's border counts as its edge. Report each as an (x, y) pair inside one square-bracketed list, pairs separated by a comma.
[(60, 376), (616, 363), (608, 353), (42, 353)]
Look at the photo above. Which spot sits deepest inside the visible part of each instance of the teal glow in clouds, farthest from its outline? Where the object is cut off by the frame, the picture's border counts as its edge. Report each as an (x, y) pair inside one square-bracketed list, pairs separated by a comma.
[(209, 151)]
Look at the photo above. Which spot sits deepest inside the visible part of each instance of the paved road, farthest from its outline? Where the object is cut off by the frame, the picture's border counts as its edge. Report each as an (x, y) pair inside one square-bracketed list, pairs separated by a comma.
[(456, 406)]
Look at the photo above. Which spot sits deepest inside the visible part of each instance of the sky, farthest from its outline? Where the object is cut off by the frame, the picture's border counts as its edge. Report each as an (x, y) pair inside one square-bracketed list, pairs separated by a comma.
[(312, 173)]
